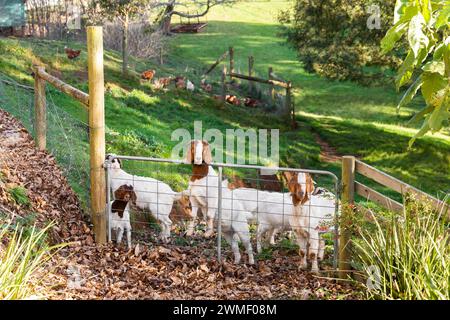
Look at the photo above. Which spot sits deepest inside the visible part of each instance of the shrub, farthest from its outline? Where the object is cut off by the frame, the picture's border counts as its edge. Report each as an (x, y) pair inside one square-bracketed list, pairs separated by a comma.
[(332, 38), (406, 256)]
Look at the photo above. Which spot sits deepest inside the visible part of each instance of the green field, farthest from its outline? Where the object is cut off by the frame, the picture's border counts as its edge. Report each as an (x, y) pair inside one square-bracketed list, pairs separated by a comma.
[(353, 119)]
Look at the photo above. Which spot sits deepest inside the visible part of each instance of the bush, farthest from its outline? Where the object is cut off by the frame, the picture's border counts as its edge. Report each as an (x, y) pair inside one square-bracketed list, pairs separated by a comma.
[(406, 256), (333, 40)]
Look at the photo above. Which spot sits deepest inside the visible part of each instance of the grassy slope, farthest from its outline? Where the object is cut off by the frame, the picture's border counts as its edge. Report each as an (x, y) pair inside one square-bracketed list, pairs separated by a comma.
[(353, 119)]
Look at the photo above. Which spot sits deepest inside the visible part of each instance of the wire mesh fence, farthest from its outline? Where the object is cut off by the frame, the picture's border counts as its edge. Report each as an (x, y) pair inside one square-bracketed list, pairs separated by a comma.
[(67, 134), (159, 200)]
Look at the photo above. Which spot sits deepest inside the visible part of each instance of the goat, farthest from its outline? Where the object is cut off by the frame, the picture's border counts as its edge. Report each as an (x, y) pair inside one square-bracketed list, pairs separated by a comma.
[(119, 217), (203, 193), (151, 194), (272, 211), (309, 215)]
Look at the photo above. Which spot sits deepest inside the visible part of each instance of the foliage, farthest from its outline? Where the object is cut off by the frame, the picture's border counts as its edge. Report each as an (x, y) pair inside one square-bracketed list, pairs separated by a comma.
[(406, 256), (21, 260), (332, 37), (426, 26)]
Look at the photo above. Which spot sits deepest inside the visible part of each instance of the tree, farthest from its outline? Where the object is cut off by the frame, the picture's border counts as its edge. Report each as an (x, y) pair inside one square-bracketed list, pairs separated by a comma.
[(425, 25), (201, 8), (124, 11), (338, 39)]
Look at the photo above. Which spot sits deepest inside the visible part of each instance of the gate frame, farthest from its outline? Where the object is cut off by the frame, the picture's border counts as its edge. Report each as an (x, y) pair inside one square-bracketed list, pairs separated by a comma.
[(220, 166)]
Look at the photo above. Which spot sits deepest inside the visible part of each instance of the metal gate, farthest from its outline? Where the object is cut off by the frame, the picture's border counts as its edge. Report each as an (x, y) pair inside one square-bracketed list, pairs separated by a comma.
[(186, 169)]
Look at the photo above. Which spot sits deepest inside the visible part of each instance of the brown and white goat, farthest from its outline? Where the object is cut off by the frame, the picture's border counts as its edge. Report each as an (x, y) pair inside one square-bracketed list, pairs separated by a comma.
[(203, 193), (119, 217), (312, 211)]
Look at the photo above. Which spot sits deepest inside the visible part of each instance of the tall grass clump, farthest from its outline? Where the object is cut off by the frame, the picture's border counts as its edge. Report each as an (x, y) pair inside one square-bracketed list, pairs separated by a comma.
[(23, 255), (406, 256)]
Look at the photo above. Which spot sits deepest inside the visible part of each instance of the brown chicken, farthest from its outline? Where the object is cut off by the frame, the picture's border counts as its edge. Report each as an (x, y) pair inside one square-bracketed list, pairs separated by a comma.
[(206, 86), (162, 82), (180, 82), (231, 99), (251, 103), (148, 74), (72, 54)]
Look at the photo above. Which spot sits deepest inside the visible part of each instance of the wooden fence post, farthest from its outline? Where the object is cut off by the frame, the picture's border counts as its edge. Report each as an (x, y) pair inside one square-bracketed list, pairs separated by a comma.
[(288, 100), (348, 194), (271, 87), (97, 131), (231, 50), (40, 112), (161, 60), (224, 86), (250, 73)]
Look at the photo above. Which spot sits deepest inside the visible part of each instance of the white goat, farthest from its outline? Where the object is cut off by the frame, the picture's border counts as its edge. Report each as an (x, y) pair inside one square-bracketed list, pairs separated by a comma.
[(151, 194), (119, 217), (272, 211), (203, 193)]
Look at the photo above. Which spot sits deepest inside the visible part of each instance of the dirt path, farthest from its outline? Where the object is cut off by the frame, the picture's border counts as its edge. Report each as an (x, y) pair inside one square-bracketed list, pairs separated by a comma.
[(86, 271)]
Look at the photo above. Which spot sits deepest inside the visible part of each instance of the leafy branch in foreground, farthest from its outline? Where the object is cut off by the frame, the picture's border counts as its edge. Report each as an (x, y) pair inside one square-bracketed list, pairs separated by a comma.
[(425, 24)]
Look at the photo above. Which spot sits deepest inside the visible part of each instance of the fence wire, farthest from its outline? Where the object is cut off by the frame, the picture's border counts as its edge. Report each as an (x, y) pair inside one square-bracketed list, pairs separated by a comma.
[(67, 135)]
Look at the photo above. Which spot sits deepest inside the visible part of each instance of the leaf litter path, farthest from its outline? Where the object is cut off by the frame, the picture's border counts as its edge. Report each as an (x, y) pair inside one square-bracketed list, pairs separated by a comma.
[(84, 270)]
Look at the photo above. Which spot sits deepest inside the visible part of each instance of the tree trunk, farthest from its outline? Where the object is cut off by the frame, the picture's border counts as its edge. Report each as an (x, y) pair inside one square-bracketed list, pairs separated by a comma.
[(167, 20), (125, 47)]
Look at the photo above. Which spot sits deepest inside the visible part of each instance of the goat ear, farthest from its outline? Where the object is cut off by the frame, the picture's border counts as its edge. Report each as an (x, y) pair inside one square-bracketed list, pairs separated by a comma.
[(189, 153), (309, 184), (288, 175), (207, 157)]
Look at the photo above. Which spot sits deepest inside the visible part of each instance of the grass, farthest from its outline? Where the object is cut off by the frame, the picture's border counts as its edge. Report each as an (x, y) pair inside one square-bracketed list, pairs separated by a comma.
[(22, 258), (407, 256), (353, 119)]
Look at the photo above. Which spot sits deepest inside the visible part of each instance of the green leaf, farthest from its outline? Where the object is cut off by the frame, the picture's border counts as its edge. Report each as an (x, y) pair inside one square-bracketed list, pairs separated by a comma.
[(438, 116), (435, 67), (399, 10), (433, 88), (418, 116), (392, 36), (406, 70), (423, 130), (444, 15), (416, 37), (410, 93), (396, 32)]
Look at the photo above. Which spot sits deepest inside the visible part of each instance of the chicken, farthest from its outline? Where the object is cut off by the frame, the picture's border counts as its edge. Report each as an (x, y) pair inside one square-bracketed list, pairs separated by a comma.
[(250, 102), (190, 86), (205, 86), (162, 82), (148, 74), (231, 99), (72, 54), (180, 82)]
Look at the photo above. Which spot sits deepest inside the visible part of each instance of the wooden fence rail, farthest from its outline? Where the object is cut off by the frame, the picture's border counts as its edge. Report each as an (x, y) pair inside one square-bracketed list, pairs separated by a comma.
[(94, 101), (351, 166)]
